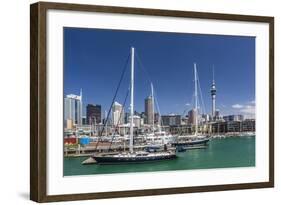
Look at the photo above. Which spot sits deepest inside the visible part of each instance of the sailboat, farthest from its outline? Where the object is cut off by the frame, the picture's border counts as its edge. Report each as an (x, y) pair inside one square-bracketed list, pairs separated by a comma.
[(132, 156), (196, 139)]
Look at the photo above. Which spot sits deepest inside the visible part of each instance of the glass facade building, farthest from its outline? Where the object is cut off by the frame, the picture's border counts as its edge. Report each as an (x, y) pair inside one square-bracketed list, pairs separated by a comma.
[(73, 109)]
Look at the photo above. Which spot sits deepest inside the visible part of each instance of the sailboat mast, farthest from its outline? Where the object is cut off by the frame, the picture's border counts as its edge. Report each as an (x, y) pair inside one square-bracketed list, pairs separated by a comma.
[(152, 96), (196, 98), (132, 99), (105, 114)]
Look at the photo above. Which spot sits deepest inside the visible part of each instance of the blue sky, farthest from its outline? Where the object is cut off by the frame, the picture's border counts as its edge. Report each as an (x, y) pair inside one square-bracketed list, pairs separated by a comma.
[(94, 59)]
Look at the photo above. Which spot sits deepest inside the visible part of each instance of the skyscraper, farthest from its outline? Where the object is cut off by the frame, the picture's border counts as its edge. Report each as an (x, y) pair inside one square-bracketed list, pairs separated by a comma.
[(93, 113), (73, 109), (117, 114), (192, 116), (213, 95), (148, 110)]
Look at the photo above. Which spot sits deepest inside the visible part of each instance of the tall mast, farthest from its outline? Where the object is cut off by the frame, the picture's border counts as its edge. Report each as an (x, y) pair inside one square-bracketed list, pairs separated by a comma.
[(81, 109), (196, 96), (152, 96), (95, 125), (132, 99), (105, 114)]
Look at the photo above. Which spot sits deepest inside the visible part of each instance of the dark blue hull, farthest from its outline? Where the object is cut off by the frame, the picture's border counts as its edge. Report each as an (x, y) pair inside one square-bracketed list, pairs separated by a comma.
[(137, 159), (191, 143)]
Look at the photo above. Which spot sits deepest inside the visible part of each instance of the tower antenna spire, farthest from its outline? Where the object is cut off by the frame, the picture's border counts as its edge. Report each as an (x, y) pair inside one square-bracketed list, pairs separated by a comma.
[(213, 74)]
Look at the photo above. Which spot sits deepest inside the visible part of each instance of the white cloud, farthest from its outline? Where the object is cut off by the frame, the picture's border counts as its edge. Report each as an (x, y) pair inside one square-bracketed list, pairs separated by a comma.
[(249, 111), (187, 104), (253, 102), (237, 106)]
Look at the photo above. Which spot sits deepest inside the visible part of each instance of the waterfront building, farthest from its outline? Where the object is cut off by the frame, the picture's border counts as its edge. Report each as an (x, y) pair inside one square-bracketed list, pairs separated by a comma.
[(179, 129), (192, 117), (73, 109), (234, 126), (141, 122), (148, 110), (156, 118), (184, 120), (69, 124), (249, 125), (126, 117), (219, 127), (217, 116), (205, 118), (136, 121), (143, 117), (233, 118), (217, 113), (93, 113), (90, 130), (171, 120), (117, 114)]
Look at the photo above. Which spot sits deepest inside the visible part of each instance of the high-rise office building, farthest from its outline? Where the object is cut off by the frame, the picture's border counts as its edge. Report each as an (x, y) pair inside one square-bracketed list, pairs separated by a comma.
[(93, 113), (117, 114), (148, 110), (192, 117), (84, 120), (73, 109)]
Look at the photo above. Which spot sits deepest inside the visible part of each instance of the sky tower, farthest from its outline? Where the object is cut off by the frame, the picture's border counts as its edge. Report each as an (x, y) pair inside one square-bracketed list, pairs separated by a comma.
[(213, 94)]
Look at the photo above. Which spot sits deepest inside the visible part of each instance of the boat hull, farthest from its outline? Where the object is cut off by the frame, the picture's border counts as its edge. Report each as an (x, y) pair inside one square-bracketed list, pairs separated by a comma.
[(137, 159), (191, 143)]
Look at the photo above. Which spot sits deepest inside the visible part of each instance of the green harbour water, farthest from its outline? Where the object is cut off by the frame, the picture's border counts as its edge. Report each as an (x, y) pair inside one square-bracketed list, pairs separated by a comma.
[(220, 153)]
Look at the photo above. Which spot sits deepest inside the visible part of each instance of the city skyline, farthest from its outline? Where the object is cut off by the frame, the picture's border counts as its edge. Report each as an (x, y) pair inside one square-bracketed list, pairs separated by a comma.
[(92, 56)]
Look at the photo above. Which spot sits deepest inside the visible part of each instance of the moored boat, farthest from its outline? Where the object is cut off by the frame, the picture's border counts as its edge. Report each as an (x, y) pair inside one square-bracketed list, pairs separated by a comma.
[(191, 142), (134, 157)]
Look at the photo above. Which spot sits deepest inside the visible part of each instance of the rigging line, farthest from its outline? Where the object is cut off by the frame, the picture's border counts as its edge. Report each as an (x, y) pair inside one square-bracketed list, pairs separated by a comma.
[(184, 112), (150, 81), (202, 101), (116, 91), (142, 67), (158, 108), (200, 91), (119, 119)]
